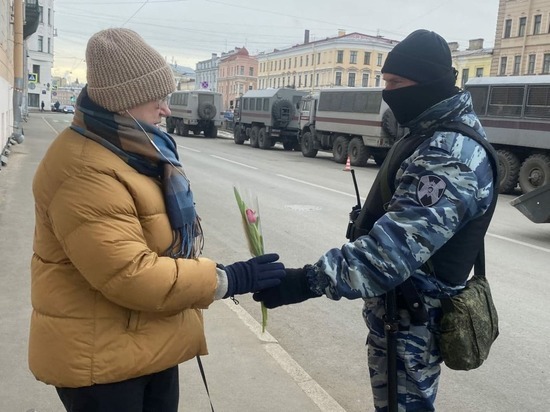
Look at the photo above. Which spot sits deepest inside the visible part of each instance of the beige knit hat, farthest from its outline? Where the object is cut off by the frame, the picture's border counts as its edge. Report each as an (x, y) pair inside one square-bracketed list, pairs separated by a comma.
[(123, 71)]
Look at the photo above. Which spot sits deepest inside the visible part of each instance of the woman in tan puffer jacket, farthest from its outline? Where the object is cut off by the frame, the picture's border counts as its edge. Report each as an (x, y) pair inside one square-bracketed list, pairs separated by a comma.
[(117, 284)]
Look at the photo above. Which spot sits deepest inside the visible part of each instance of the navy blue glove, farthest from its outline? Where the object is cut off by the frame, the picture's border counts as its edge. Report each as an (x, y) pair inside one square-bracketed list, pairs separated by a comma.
[(294, 288), (254, 275)]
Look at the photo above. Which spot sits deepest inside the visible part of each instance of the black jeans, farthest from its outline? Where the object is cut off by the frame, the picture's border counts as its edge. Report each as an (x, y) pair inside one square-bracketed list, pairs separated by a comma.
[(158, 392)]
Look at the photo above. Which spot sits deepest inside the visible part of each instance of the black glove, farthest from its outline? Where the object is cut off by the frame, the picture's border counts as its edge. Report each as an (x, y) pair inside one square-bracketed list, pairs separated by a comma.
[(254, 275), (294, 288)]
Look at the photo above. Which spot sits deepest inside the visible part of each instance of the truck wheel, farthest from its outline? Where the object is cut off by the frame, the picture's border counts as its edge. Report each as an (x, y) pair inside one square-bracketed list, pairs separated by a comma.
[(534, 172), (211, 131), (254, 134), (508, 168), (170, 125), (179, 124), (308, 149), (264, 141), (206, 111), (340, 149), (238, 137), (358, 152)]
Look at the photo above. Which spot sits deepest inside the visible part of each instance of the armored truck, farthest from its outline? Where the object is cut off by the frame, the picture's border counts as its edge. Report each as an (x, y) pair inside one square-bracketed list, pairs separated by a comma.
[(196, 111), (515, 113), (268, 116), (352, 122)]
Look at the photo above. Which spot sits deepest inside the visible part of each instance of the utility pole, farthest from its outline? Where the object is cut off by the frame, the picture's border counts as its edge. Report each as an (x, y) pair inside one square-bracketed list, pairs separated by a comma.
[(18, 71)]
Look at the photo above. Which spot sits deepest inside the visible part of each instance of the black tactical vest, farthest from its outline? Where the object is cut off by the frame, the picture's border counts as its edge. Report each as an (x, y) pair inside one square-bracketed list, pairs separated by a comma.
[(453, 262)]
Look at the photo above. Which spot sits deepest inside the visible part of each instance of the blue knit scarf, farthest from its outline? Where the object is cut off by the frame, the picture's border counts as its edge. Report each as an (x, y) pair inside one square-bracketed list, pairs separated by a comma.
[(153, 153)]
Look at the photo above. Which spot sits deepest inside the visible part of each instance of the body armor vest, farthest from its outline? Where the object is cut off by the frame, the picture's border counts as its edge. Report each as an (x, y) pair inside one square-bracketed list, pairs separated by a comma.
[(453, 262)]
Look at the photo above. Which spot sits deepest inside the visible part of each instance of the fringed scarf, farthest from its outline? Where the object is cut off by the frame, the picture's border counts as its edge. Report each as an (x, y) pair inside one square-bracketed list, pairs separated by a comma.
[(153, 153)]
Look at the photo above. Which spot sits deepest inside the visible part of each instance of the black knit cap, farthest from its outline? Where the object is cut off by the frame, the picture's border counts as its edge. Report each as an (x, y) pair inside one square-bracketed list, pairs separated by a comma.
[(423, 56)]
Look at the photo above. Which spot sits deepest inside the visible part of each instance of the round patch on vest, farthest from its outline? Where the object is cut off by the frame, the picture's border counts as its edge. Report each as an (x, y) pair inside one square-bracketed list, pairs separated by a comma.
[(430, 189)]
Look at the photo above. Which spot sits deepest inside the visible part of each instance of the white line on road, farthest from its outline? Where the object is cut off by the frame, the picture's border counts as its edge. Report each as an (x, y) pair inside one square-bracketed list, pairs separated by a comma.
[(519, 242), (50, 126), (188, 148), (234, 162), (311, 388), (318, 186)]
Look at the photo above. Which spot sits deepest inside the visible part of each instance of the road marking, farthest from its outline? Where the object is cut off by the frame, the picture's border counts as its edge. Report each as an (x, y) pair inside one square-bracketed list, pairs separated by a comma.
[(50, 126), (317, 186), (519, 242), (188, 148), (311, 388), (234, 162)]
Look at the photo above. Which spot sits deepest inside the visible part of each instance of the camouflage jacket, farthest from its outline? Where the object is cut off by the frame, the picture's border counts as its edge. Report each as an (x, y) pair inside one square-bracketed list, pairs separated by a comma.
[(416, 223)]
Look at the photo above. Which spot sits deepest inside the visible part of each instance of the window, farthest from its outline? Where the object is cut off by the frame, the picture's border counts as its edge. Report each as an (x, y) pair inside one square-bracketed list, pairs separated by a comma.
[(49, 17), (300, 80), (284, 64), (479, 72), (317, 79), (340, 56), (338, 79), (366, 58), (49, 45), (266, 104), (507, 28), (531, 64), (503, 61), (351, 80), (289, 62), (241, 70), (546, 63), (537, 23), (353, 57), (40, 14), (522, 23), (318, 58), (379, 59), (377, 81), (301, 61), (40, 43), (36, 70), (506, 101), (258, 104), (538, 102), (251, 71), (465, 76), (365, 80), (517, 63), (307, 60)]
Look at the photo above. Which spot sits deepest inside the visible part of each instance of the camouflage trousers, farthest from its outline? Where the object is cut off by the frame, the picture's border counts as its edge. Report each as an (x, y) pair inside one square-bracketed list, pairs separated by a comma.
[(418, 357)]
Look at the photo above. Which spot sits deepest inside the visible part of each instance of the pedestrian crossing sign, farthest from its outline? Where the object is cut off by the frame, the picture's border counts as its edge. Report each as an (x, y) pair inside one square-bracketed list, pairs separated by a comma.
[(33, 77)]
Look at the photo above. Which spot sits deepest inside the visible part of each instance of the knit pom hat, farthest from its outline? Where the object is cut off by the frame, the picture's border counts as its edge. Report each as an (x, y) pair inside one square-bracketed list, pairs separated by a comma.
[(123, 71), (423, 56)]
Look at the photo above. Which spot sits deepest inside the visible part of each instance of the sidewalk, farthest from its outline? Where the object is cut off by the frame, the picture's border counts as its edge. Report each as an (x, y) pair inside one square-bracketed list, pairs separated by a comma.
[(246, 370)]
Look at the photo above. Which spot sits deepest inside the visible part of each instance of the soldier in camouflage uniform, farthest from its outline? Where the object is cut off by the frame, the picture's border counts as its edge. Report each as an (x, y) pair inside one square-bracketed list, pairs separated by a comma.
[(441, 204)]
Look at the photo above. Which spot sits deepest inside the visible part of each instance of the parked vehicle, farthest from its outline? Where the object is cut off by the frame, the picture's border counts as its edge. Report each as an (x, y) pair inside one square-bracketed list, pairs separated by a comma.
[(352, 122), (196, 111), (268, 116), (515, 113), (68, 109)]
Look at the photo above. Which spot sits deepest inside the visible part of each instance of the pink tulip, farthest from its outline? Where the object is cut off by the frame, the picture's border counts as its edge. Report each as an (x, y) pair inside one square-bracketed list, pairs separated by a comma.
[(251, 216)]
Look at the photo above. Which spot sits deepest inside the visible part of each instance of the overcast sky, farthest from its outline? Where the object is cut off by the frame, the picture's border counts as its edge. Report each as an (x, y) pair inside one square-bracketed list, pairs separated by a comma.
[(188, 31)]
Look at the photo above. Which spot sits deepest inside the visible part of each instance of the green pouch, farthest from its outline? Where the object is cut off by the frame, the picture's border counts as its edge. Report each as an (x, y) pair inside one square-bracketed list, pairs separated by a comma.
[(469, 325)]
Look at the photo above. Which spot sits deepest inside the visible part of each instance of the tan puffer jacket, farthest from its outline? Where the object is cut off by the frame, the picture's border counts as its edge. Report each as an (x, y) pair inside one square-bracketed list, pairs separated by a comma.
[(107, 306)]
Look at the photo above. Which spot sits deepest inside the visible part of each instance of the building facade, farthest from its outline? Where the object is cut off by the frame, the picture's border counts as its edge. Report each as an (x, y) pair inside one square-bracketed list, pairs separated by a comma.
[(237, 73), (475, 61), (6, 71), (40, 50), (206, 73), (522, 39), (351, 60)]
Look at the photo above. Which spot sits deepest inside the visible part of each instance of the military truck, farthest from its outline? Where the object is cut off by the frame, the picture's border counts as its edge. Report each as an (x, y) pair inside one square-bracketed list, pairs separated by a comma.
[(515, 113), (196, 111), (352, 122), (268, 116)]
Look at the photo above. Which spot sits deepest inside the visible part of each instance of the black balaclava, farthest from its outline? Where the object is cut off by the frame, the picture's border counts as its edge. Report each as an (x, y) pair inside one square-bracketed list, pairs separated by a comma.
[(424, 57)]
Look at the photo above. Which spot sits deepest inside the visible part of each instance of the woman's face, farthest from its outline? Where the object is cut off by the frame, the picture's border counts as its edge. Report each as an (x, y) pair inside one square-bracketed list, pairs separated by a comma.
[(151, 112)]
